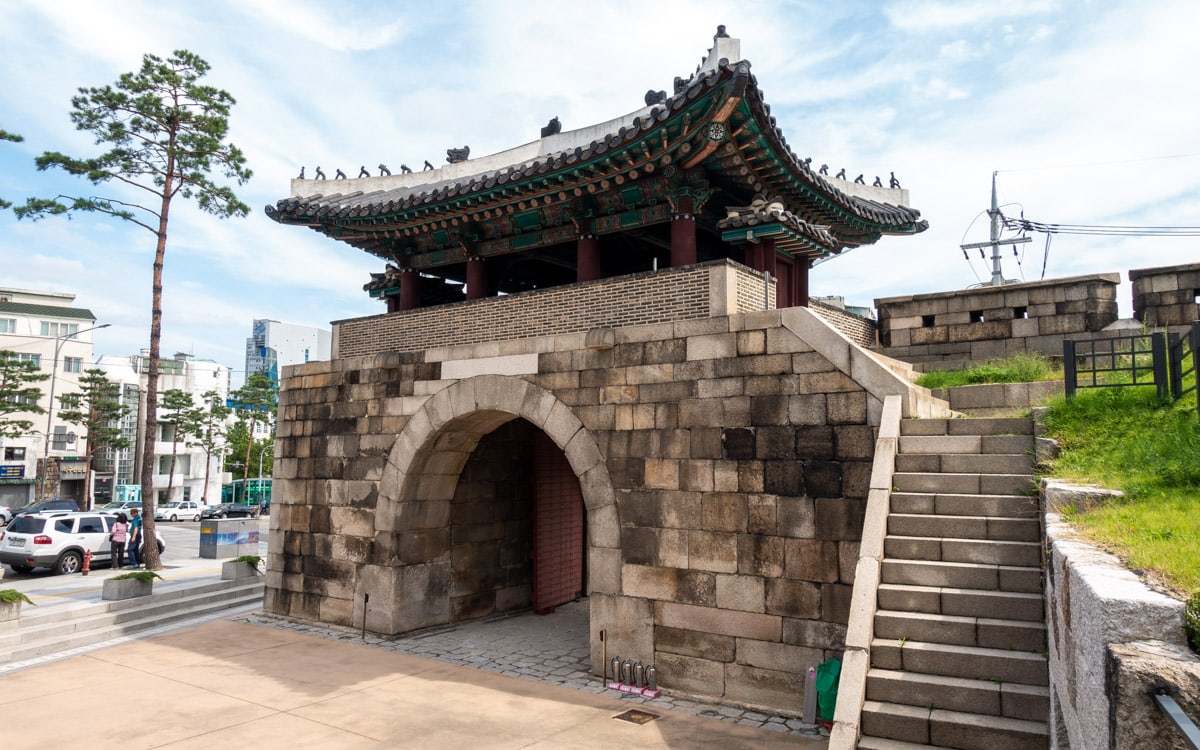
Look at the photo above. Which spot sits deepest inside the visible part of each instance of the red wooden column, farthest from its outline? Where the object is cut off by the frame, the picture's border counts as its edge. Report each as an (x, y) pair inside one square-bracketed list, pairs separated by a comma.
[(754, 255), (476, 279), (587, 258), (410, 291), (683, 233), (803, 264), (768, 256)]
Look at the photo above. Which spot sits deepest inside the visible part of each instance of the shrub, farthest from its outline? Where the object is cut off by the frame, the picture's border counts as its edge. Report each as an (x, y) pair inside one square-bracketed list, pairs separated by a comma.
[(145, 576), (12, 596)]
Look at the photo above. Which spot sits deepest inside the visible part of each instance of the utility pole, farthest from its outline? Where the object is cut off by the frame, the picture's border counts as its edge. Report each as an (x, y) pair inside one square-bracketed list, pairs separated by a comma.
[(995, 242)]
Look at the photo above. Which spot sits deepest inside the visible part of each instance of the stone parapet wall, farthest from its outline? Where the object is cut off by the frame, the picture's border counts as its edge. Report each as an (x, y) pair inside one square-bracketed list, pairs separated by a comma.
[(724, 464), (1094, 605), (1166, 296), (682, 293), (991, 322), (858, 329)]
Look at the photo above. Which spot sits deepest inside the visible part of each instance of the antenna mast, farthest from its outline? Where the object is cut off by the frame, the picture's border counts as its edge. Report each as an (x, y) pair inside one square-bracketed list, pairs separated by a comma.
[(995, 241)]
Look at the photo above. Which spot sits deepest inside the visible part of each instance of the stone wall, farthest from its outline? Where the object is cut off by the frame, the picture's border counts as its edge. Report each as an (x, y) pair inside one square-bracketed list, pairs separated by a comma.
[(858, 329), (724, 465), (1094, 605), (1166, 296), (990, 322), (681, 293)]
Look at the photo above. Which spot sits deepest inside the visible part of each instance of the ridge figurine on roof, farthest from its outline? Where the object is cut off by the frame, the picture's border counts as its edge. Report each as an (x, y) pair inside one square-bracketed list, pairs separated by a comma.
[(701, 175)]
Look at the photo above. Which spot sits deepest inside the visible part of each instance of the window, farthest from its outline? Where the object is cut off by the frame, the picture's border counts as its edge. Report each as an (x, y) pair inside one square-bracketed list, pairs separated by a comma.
[(14, 454), (977, 316), (63, 525), (57, 330), (927, 321), (36, 359), (162, 497), (187, 493), (91, 525), (72, 364), (8, 325), (1020, 313)]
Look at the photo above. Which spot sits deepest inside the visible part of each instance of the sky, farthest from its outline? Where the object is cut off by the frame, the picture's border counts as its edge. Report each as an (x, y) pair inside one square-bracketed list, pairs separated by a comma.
[(1086, 110)]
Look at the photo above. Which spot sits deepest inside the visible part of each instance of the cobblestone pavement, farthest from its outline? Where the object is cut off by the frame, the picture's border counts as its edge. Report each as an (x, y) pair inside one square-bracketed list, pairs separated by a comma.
[(552, 649)]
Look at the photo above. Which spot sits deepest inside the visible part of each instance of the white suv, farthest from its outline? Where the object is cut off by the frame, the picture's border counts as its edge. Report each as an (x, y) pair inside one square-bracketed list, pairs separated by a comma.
[(58, 541)]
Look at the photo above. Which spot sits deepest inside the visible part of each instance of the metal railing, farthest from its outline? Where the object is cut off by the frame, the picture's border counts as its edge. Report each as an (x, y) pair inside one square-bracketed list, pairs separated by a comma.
[(1159, 359), (1182, 722), (1183, 355), (1136, 359)]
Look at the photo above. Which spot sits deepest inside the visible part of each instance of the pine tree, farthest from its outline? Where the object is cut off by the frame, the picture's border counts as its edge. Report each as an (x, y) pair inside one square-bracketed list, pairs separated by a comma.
[(98, 409), (166, 133), (17, 395), (206, 429), (176, 404)]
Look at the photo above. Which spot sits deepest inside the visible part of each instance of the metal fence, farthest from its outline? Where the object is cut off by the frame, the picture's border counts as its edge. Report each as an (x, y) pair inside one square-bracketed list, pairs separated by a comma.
[(1159, 359)]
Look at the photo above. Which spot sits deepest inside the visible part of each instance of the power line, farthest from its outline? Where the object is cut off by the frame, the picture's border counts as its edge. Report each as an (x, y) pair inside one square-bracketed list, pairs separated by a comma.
[(1117, 230)]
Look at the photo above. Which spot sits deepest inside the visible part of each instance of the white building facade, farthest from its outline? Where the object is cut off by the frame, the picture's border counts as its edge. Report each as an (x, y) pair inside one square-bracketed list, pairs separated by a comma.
[(273, 345), (196, 476), (48, 329)]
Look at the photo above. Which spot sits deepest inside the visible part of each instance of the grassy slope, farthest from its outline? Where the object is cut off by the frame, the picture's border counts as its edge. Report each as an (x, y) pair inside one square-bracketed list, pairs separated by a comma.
[(1124, 439)]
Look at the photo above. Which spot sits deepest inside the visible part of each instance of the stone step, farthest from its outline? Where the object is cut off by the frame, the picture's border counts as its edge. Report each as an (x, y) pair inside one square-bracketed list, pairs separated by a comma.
[(61, 631), (963, 484), (958, 504), (965, 444), (1022, 667), (946, 600), (981, 426), (981, 576), (894, 726), (966, 527), (965, 463), (867, 742), (957, 630), (981, 697), (1023, 554)]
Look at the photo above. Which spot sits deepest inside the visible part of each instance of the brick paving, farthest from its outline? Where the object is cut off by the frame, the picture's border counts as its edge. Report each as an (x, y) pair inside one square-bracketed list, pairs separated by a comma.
[(551, 649)]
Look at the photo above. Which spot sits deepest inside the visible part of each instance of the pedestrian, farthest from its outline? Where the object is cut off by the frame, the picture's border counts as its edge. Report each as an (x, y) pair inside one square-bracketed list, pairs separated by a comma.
[(135, 538), (119, 536)]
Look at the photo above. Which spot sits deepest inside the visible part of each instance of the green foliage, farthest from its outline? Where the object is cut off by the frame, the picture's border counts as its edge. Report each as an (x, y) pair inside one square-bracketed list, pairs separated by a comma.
[(1026, 367), (97, 408), (206, 429), (17, 395), (248, 559), (12, 596), (166, 132), (145, 576), (1127, 439), (256, 402)]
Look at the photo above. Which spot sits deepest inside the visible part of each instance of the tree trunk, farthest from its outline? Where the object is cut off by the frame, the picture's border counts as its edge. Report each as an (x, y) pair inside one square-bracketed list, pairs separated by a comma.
[(150, 551)]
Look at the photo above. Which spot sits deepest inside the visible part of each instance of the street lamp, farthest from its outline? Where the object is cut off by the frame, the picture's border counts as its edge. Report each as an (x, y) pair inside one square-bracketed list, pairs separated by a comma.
[(58, 343)]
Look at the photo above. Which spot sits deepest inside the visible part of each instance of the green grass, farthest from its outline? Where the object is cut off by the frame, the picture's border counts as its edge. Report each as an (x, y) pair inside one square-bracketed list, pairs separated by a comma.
[(1026, 367), (1124, 438)]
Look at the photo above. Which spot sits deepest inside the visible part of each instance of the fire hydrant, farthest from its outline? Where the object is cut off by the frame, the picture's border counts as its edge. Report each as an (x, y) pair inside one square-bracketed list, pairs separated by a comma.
[(87, 562)]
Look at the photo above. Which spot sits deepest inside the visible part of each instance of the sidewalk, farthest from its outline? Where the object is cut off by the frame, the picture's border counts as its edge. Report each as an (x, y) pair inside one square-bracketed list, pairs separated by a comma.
[(226, 683)]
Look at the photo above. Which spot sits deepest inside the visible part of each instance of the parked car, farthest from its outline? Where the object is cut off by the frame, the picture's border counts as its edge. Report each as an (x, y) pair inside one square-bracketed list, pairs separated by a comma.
[(59, 540), (178, 509), (46, 506), (6, 514), (121, 506), (230, 510)]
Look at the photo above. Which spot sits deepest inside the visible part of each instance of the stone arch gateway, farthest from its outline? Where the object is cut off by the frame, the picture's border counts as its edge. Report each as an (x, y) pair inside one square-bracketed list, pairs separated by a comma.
[(418, 486), (722, 463)]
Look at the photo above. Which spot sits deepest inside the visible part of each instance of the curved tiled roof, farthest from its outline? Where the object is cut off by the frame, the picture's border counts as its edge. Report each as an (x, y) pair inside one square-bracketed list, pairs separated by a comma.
[(371, 208)]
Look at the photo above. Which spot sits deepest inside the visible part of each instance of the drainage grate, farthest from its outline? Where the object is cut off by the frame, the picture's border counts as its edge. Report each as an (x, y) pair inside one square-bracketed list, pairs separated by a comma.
[(634, 716)]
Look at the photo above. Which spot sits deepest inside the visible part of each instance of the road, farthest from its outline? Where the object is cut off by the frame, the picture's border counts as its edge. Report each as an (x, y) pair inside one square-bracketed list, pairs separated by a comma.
[(182, 542)]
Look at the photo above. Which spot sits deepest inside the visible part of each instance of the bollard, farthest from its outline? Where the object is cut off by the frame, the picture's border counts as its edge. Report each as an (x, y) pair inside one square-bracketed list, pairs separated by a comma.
[(652, 677), (616, 669)]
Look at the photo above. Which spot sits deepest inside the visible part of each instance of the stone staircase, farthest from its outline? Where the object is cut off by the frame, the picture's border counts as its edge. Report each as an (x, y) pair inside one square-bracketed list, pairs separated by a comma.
[(958, 655), (57, 629)]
